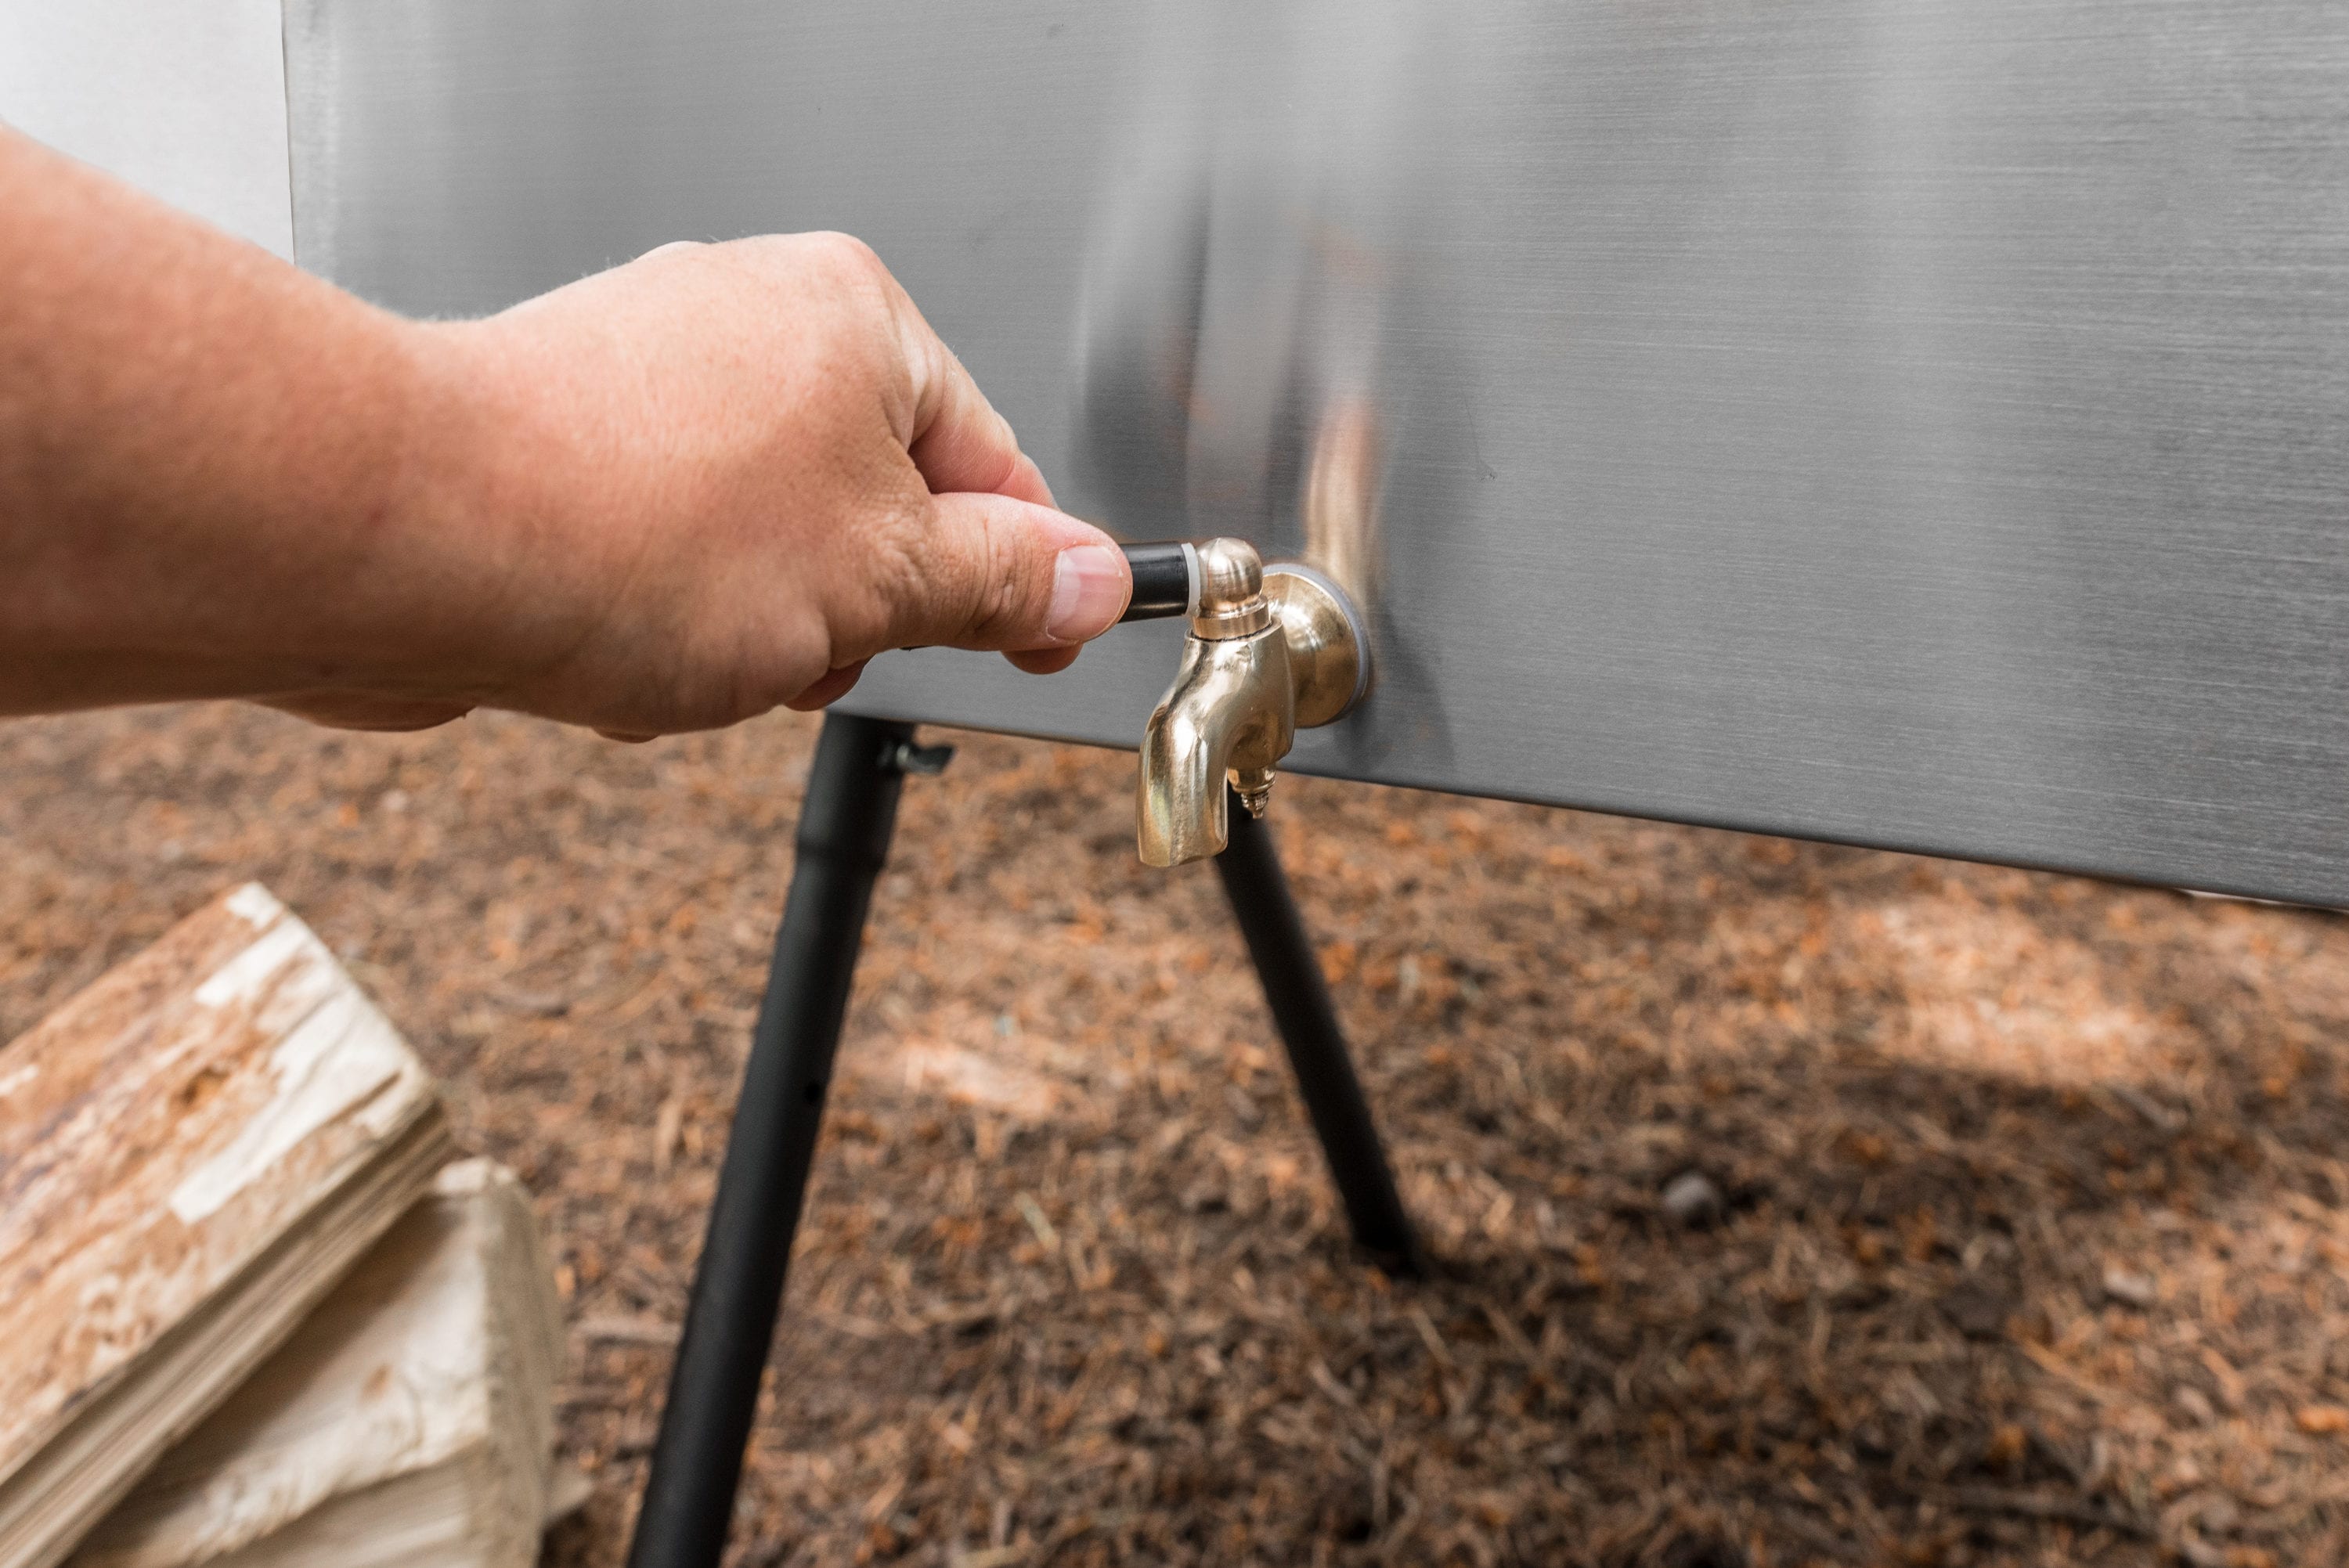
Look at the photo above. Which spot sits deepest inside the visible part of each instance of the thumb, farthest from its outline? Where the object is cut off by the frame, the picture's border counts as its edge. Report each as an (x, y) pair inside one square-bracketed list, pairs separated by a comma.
[(998, 573)]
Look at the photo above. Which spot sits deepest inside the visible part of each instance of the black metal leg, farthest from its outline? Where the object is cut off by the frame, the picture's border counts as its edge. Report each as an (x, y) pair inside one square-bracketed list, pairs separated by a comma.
[(1293, 987), (729, 1324)]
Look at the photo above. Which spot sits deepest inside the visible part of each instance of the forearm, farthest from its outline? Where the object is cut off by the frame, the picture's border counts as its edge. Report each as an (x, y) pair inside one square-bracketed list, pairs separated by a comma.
[(667, 497), (206, 459)]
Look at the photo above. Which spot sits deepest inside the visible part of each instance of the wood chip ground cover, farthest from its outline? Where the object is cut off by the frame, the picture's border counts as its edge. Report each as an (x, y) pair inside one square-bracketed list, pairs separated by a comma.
[(2009, 1220)]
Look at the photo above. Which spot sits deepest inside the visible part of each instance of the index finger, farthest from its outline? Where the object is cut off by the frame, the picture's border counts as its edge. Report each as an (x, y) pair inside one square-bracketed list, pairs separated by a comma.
[(958, 442)]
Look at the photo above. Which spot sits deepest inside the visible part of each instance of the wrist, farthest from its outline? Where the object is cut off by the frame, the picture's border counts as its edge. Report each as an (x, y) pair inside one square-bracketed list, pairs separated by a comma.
[(474, 593)]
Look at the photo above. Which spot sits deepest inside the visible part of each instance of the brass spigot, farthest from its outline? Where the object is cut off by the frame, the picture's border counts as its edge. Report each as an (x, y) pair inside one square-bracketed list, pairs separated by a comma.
[(1271, 650)]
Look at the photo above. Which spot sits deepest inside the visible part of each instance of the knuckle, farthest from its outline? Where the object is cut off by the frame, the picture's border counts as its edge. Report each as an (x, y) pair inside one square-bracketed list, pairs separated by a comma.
[(1009, 599), (862, 321), (976, 583), (907, 579), (848, 261)]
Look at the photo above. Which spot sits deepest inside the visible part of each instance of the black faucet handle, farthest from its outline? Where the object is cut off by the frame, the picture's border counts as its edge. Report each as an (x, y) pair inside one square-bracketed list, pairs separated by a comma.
[(1165, 580)]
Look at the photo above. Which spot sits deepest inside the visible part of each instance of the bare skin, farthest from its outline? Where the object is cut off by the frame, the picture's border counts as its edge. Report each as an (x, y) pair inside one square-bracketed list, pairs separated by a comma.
[(669, 497)]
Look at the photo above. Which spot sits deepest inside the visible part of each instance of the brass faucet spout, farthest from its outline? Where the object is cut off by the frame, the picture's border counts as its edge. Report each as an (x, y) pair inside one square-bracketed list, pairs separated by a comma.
[(1230, 707), (1268, 650)]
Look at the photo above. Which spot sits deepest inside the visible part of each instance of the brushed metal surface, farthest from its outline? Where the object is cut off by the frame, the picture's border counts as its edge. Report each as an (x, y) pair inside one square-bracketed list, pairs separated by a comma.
[(1921, 423)]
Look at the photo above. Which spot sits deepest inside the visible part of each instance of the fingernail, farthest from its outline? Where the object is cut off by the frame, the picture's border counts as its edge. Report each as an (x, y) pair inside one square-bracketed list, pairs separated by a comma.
[(1088, 592)]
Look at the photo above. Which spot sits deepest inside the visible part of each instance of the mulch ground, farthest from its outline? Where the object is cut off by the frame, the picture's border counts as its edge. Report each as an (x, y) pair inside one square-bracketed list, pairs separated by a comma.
[(1793, 1203)]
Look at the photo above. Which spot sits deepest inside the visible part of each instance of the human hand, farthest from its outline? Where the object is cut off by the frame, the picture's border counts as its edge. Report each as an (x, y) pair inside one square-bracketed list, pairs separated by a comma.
[(717, 480)]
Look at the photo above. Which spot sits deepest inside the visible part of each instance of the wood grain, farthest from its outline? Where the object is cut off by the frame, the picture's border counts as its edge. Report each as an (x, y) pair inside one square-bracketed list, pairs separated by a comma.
[(191, 1151), (409, 1419)]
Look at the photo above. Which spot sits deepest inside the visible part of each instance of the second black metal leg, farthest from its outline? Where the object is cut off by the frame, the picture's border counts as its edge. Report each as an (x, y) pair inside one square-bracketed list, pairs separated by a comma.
[(1299, 1000), (729, 1324)]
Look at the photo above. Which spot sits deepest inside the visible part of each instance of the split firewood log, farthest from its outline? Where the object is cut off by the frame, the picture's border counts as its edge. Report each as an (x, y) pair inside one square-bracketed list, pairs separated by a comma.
[(410, 1421), (192, 1152)]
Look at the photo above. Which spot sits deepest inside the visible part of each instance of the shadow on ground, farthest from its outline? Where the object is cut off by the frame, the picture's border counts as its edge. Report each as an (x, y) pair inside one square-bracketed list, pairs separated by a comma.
[(1793, 1203)]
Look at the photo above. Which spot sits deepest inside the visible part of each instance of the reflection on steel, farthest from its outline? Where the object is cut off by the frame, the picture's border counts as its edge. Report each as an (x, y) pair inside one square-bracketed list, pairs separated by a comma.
[(1917, 422), (1341, 513), (1271, 650)]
